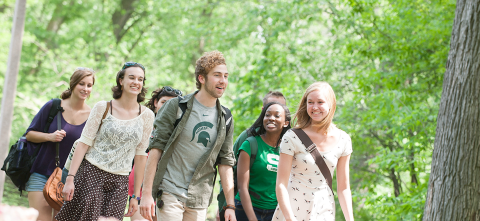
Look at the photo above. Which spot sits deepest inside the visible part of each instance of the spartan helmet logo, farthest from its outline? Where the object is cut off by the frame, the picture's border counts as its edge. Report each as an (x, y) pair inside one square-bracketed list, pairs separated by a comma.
[(203, 135), (203, 138)]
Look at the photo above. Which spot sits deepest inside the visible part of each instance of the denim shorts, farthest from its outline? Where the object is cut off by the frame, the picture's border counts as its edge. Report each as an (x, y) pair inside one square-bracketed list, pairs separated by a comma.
[(36, 182)]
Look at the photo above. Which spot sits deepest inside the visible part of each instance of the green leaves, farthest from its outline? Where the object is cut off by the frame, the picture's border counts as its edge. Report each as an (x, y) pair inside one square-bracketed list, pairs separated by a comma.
[(384, 59)]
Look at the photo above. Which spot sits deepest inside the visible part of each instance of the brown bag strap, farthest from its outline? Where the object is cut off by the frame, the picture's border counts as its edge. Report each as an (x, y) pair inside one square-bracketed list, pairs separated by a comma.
[(312, 149), (104, 114)]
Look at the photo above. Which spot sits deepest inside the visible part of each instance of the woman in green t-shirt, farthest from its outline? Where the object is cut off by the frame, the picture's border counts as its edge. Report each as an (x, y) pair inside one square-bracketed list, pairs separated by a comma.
[(256, 198)]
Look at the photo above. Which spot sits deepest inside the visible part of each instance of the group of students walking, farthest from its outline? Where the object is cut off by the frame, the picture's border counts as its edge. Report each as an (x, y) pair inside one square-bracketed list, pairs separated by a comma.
[(188, 139)]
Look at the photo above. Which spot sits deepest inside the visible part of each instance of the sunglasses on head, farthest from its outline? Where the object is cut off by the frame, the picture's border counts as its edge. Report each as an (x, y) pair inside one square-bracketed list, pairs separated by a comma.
[(130, 64), (84, 69), (170, 90)]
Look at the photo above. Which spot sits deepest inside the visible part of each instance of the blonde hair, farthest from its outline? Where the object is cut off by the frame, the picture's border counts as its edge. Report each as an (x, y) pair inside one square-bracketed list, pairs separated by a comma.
[(302, 118)]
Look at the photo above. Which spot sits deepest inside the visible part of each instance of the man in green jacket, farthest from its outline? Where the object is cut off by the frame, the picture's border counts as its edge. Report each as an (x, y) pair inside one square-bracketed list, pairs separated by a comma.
[(180, 170)]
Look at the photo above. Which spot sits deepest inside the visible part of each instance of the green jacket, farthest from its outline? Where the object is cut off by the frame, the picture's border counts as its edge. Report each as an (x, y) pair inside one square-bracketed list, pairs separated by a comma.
[(165, 138)]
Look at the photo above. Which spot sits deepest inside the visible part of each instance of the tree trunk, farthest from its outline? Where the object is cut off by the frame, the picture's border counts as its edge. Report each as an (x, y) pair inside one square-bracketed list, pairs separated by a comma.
[(10, 85), (454, 185), (120, 18)]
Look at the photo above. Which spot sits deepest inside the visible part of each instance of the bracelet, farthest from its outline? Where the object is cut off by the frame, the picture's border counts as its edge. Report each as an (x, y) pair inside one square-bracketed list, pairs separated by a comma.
[(229, 206), (137, 198), (71, 175)]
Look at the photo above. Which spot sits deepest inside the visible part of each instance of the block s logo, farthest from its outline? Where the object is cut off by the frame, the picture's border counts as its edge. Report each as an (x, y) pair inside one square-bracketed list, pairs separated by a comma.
[(273, 159), (272, 162)]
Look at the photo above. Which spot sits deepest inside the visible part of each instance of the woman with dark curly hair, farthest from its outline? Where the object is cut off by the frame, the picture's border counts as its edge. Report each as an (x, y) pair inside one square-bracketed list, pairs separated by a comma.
[(116, 132), (159, 97), (256, 198)]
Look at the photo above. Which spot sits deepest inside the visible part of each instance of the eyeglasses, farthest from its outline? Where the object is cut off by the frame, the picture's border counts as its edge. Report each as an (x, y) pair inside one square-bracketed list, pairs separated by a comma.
[(130, 63), (84, 69), (170, 90)]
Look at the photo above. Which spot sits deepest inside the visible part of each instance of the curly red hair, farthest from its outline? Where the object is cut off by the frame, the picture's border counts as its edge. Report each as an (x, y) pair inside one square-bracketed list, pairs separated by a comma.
[(205, 63)]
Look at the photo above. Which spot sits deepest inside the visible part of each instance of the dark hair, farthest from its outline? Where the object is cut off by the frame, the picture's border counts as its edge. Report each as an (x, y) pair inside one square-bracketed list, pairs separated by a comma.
[(157, 95), (273, 94), (76, 77), (257, 128), (206, 63), (117, 90)]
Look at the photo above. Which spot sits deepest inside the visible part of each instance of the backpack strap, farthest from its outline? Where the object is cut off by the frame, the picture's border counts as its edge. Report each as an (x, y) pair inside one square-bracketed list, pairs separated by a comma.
[(312, 149), (53, 112), (183, 107), (228, 118), (253, 149)]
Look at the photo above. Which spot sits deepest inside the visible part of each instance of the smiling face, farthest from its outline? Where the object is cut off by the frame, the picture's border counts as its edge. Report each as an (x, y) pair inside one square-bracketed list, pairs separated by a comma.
[(317, 106), (159, 103), (132, 82), (216, 81), (83, 89), (274, 120)]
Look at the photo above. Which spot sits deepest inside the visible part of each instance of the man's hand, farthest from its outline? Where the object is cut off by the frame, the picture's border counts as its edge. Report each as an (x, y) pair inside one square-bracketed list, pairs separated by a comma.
[(147, 207), (230, 215), (217, 217)]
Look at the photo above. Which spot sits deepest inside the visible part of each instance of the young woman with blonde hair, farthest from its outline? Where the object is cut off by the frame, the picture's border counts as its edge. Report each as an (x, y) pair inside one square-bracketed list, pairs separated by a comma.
[(302, 190), (73, 120)]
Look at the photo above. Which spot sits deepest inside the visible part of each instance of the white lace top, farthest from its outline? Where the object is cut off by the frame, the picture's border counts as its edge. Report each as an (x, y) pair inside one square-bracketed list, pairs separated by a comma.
[(118, 141)]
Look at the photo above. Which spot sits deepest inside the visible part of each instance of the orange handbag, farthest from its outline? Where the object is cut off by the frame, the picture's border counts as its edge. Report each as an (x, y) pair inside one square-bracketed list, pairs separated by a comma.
[(53, 190)]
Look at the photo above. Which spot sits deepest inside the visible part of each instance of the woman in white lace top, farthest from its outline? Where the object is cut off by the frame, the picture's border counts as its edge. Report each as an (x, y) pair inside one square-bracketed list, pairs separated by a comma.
[(116, 132)]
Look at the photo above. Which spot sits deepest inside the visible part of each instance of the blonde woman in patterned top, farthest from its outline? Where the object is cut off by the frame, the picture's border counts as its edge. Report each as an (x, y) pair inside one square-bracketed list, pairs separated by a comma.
[(302, 190), (97, 182)]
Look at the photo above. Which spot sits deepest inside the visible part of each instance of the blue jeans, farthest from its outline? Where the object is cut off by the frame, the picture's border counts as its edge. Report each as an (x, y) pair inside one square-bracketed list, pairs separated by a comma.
[(261, 214)]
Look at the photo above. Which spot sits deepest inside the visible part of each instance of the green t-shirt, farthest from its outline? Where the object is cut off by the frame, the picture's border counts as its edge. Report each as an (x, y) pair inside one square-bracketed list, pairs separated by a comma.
[(263, 175)]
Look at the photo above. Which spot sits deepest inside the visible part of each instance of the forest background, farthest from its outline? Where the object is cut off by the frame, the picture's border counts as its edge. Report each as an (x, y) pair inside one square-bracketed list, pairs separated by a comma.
[(385, 59)]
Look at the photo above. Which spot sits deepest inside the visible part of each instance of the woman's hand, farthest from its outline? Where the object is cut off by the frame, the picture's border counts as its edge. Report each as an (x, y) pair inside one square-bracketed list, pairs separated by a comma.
[(68, 189), (132, 207), (57, 136)]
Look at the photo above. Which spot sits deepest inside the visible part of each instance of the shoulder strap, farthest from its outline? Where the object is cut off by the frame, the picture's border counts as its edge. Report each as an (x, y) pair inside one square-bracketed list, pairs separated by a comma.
[(59, 127), (312, 149), (253, 149), (104, 114), (183, 107), (53, 111)]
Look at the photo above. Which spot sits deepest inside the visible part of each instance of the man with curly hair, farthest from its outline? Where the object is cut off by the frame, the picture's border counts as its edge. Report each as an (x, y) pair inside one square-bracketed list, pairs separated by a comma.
[(187, 145)]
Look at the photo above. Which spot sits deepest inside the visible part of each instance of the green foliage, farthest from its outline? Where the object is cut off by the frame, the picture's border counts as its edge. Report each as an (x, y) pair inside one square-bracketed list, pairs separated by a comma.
[(385, 60)]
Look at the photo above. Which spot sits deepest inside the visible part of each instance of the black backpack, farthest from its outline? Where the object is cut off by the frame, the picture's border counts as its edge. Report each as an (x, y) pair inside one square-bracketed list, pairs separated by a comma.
[(19, 162)]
